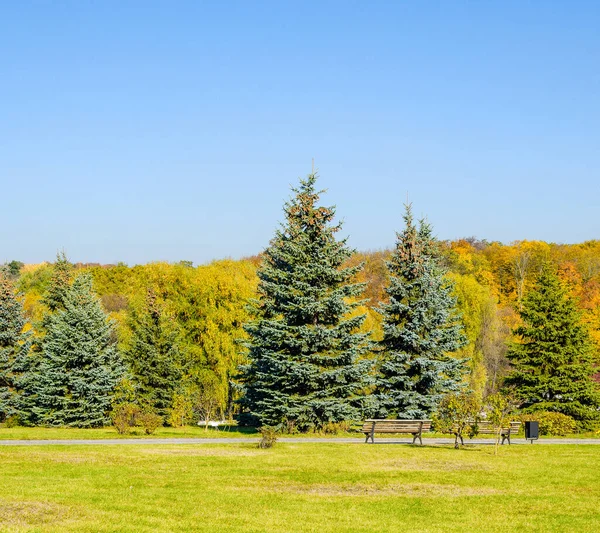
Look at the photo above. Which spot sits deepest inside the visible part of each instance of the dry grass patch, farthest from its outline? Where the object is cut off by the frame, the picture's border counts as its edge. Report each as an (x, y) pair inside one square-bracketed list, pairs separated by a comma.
[(202, 451), (411, 490), (21, 515)]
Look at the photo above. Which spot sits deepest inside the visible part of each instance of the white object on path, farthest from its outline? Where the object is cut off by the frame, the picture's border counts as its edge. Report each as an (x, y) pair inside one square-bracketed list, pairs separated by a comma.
[(212, 423)]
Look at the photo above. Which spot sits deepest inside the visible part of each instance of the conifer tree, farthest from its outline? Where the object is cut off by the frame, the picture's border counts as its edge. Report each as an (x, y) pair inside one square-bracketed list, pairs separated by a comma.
[(29, 369), (79, 365), (420, 328), (306, 366), (15, 345), (153, 357), (553, 358)]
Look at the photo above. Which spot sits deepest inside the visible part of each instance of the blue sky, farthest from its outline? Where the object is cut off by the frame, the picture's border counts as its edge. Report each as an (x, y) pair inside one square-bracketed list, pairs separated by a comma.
[(141, 131)]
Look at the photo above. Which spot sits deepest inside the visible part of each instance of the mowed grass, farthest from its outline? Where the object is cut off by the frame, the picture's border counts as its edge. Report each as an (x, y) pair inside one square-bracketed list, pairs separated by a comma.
[(300, 487), (64, 433), (109, 432)]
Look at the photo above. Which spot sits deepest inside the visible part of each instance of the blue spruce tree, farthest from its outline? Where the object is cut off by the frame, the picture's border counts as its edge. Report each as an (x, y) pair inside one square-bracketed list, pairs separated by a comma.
[(79, 365), (420, 329), (15, 347), (306, 358)]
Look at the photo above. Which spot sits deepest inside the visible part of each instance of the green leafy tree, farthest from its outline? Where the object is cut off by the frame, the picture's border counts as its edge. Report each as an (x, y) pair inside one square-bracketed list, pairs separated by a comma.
[(80, 365), (153, 356), (553, 358), (499, 409), (420, 329), (458, 413), (15, 346), (62, 274), (306, 357), (13, 269)]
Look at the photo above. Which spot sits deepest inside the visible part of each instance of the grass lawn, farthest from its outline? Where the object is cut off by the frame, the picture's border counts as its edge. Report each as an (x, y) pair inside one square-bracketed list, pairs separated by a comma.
[(34, 433), (321, 487), (42, 433)]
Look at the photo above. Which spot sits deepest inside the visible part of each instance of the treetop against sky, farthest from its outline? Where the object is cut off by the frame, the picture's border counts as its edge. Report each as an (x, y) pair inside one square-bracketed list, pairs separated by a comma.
[(167, 131)]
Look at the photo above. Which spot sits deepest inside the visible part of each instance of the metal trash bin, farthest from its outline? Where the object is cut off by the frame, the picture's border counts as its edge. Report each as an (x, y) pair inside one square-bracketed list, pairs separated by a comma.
[(532, 430)]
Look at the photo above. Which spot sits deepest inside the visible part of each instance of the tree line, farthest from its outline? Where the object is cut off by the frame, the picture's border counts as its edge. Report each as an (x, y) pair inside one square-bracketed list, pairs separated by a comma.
[(310, 335)]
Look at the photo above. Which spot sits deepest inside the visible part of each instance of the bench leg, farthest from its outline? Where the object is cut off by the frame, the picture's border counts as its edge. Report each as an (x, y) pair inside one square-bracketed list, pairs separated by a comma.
[(417, 436), (506, 437)]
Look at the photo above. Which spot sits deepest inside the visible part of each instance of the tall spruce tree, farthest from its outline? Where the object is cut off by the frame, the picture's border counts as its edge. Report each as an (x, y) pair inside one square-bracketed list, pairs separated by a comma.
[(28, 370), (80, 365), (15, 346), (553, 359), (306, 366), (153, 357), (420, 329)]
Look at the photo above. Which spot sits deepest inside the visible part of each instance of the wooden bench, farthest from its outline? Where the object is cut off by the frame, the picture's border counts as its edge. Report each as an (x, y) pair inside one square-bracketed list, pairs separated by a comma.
[(486, 428), (414, 427)]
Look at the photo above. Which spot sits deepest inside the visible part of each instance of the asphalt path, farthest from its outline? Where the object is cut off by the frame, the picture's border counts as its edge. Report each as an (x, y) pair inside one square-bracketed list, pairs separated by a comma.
[(234, 440)]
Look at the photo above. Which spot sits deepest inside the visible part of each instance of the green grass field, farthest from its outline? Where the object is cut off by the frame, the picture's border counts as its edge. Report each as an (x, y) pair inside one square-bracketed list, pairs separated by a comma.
[(321, 487), (43, 433)]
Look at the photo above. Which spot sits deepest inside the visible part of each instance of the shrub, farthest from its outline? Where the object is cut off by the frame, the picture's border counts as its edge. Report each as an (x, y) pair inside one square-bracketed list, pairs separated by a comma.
[(289, 427), (150, 422), (269, 437), (124, 417), (552, 423), (334, 428), (12, 421)]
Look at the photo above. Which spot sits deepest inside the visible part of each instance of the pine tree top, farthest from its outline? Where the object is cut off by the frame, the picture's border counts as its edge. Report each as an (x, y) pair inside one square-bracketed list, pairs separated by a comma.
[(302, 275), (552, 323)]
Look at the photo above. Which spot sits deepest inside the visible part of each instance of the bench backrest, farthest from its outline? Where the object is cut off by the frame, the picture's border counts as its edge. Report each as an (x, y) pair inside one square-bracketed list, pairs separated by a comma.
[(401, 426), (486, 427)]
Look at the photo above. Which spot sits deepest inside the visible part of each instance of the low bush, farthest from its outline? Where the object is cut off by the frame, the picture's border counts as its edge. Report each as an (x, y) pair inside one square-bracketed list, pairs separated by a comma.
[(124, 417), (150, 422), (12, 421), (552, 423), (335, 428), (268, 437), (127, 416)]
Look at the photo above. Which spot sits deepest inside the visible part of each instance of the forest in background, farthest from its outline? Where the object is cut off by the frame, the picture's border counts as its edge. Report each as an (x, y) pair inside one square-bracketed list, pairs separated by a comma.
[(204, 307)]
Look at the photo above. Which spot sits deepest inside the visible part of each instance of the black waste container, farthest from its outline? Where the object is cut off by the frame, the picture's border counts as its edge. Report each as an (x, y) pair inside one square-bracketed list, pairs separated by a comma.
[(532, 430)]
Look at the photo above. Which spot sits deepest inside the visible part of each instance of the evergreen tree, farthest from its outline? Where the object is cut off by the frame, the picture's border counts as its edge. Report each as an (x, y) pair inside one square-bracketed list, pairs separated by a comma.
[(553, 360), (15, 345), (306, 366), (153, 357), (80, 365), (420, 329)]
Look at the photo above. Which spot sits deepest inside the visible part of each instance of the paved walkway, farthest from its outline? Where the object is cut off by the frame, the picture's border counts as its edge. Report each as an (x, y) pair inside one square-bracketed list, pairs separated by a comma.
[(171, 441)]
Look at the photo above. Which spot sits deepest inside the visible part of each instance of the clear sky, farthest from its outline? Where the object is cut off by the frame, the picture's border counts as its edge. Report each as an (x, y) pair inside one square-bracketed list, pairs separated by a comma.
[(141, 131)]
